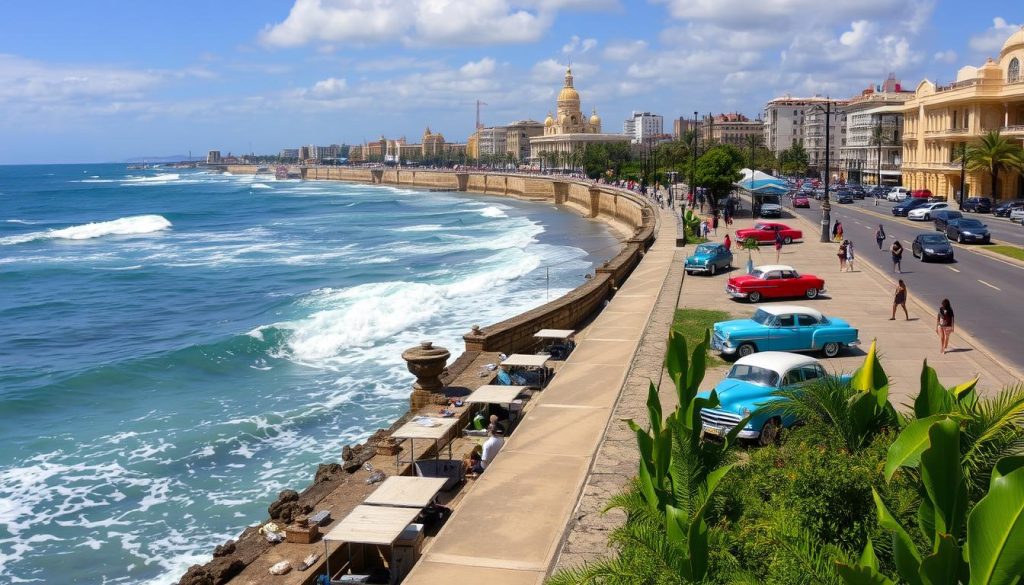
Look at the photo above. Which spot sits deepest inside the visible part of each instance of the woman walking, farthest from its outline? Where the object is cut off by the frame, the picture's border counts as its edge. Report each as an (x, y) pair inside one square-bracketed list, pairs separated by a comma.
[(778, 246), (897, 256), (880, 235), (837, 232), (727, 242), (900, 300), (944, 324), (849, 255), (842, 257)]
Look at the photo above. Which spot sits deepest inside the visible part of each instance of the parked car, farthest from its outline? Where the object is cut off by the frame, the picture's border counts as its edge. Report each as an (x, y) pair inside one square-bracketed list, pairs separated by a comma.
[(1006, 207), (857, 191), (906, 206), (932, 247), (924, 212), (773, 282), (921, 194), (708, 258), (967, 229), (943, 216), (770, 206), (784, 328), (749, 390), (764, 233), (898, 194), (977, 205), (801, 201), (878, 191), (1017, 215), (844, 197)]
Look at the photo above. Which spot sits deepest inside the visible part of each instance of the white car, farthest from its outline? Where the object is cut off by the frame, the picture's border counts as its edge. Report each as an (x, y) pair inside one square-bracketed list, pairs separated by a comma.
[(1017, 215), (924, 213), (898, 194)]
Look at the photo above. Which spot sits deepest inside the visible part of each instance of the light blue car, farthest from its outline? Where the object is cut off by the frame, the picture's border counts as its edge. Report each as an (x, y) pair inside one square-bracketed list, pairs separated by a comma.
[(784, 328), (709, 258), (748, 391)]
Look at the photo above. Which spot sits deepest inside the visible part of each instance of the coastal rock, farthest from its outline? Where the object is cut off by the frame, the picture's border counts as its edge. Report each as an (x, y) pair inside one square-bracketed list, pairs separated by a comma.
[(287, 498), (346, 453), (216, 572), (327, 472), (196, 575), (225, 549)]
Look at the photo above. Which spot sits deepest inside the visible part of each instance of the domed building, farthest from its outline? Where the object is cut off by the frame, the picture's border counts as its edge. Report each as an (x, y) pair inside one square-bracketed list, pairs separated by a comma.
[(568, 131), (941, 119)]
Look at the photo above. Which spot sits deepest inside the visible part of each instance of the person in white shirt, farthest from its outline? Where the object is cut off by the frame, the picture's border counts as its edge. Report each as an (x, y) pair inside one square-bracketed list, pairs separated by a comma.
[(495, 441)]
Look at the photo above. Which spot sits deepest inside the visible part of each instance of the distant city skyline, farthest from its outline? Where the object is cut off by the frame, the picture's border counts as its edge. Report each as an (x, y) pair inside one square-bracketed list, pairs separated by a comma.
[(83, 82)]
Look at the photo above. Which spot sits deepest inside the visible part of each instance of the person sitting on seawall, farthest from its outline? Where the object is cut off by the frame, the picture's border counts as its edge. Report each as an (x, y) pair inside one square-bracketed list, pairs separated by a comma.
[(495, 441)]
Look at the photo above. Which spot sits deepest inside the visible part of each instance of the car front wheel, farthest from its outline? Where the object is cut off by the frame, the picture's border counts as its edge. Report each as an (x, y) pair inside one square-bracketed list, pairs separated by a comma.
[(831, 349), (811, 293), (714, 270), (746, 349), (754, 297), (769, 433), (787, 240)]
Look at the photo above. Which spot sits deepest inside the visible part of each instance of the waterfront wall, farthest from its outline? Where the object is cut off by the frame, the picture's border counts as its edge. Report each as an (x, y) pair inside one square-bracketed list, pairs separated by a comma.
[(627, 212)]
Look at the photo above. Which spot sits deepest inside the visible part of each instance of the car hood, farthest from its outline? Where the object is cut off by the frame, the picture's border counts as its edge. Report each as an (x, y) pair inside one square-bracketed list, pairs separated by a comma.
[(735, 395), (698, 258), (726, 327), (943, 247)]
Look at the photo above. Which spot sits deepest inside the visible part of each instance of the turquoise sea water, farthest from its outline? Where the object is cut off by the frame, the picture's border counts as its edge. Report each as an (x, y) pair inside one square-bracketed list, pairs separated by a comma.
[(179, 346)]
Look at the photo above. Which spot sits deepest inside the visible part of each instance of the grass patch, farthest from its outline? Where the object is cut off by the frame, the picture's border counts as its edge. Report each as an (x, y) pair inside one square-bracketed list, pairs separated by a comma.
[(1011, 251), (692, 323)]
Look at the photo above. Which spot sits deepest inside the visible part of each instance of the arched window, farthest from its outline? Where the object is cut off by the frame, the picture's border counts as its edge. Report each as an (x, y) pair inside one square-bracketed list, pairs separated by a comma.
[(1013, 71)]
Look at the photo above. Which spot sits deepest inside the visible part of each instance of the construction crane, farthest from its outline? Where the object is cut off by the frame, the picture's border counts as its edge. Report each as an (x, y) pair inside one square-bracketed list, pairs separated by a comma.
[(479, 124)]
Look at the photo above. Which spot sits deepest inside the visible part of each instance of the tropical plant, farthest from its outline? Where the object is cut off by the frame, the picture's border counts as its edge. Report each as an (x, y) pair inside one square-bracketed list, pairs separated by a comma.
[(691, 225), (718, 169), (994, 153)]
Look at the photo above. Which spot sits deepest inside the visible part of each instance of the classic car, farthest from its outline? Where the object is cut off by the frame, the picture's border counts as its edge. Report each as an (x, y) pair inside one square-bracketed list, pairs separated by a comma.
[(967, 229), (800, 200), (769, 206), (784, 328), (774, 281), (764, 233), (924, 212), (710, 258), (932, 247), (749, 390)]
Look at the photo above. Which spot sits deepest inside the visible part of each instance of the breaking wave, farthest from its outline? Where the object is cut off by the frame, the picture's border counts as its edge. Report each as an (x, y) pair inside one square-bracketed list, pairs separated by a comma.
[(125, 226)]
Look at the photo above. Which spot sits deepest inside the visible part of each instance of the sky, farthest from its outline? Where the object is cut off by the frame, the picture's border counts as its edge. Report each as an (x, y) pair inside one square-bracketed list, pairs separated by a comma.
[(110, 80)]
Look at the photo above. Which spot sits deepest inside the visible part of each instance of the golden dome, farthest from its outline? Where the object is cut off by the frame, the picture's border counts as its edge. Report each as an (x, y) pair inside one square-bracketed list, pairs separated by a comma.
[(595, 120), (549, 121), (1015, 40), (568, 93)]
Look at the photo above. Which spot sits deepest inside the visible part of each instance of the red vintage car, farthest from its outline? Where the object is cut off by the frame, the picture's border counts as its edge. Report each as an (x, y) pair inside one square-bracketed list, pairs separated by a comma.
[(801, 201), (774, 281), (764, 233)]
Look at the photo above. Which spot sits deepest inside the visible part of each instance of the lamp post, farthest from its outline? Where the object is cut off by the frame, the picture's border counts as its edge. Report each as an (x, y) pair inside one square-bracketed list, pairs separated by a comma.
[(963, 169), (826, 205), (693, 161), (879, 149)]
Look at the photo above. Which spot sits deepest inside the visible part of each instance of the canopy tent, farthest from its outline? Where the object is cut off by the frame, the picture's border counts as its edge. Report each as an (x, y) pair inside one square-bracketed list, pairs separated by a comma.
[(762, 183)]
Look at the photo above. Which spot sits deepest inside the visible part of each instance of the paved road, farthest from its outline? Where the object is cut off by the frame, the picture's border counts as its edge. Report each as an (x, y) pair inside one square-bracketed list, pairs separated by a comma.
[(1002, 229), (985, 292)]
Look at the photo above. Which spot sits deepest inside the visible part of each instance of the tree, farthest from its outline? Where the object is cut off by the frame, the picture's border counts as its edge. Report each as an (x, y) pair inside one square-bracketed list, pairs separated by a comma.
[(717, 170), (794, 160), (994, 153)]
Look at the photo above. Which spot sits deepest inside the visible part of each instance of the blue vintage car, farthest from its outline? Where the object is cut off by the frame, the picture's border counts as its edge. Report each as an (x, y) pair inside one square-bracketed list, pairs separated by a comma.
[(784, 328), (749, 390), (709, 258)]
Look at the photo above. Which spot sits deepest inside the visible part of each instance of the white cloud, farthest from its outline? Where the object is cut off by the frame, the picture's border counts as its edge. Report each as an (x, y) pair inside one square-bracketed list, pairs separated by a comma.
[(480, 68), (577, 44), (328, 88), (860, 31), (948, 57), (771, 13), (991, 41), (624, 50), (413, 22)]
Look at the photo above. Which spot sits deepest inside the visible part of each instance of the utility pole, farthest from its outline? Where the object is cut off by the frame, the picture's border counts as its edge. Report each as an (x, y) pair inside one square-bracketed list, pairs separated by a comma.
[(479, 124), (826, 206)]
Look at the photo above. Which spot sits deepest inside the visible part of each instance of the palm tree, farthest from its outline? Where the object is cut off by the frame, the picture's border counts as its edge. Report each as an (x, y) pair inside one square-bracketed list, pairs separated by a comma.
[(879, 138), (994, 153)]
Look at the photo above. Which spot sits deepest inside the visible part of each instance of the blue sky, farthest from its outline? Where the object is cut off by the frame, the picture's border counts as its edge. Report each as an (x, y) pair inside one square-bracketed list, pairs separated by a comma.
[(107, 80)]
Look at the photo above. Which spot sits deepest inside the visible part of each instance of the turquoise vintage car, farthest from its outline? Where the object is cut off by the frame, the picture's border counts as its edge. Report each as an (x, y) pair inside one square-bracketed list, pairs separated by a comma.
[(709, 258), (784, 328), (749, 390)]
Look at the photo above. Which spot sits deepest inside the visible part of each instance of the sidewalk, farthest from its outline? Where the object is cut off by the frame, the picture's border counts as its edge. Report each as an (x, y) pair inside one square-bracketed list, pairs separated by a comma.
[(864, 298)]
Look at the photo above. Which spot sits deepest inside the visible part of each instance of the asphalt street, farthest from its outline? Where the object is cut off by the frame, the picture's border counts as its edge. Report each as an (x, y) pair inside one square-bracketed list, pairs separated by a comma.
[(984, 291), (1002, 229)]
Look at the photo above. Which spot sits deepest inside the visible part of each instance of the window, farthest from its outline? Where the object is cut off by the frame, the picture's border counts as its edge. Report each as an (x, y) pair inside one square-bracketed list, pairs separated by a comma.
[(1013, 71), (812, 372), (807, 320), (786, 321), (792, 377)]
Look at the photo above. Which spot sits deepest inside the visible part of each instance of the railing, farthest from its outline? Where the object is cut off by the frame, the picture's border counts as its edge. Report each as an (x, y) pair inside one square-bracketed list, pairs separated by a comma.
[(1018, 128), (957, 85)]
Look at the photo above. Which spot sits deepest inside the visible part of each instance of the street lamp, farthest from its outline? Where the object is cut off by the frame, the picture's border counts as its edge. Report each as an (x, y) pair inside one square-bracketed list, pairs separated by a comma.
[(826, 205), (963, 168), (693, 162)]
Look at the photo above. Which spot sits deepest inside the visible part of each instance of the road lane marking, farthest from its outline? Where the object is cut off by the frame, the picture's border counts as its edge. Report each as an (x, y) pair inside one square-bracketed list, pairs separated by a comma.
[(953, 269), (867, 227), (989, 285)]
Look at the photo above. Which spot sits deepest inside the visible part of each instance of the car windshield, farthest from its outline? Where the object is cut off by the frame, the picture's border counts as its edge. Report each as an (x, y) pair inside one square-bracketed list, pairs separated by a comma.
[(754, 375), (933, 239), (770, 199), (969, 223), (706, 248), (762, 317), (761, 226)]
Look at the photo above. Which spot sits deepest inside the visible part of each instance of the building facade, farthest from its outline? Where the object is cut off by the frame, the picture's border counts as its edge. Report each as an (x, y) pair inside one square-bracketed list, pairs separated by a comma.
[(213, 157), (680, 126), (491, 141), (939, 121), (290, 154), (874, 129), (568, 131), (735, 129), (788, 121), (643, 127), (517, 138)]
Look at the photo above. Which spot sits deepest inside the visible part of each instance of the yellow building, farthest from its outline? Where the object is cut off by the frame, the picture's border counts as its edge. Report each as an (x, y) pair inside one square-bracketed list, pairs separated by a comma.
[(569, 131), (939, 120)]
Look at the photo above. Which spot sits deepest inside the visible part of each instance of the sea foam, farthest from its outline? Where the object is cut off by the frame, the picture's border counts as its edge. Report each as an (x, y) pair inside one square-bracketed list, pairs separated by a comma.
[(125, 226)]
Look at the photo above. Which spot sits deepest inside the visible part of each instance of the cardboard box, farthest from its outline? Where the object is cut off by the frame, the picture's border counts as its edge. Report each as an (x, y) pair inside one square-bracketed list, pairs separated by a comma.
[(301, 534)]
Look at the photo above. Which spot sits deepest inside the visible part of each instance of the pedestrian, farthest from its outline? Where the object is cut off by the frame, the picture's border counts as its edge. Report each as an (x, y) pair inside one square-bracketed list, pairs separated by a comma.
[(880, 236), (778, 246), (900, 300), (849, 255), (704, 228), (727, 243), (842, 257), (897, 256), (837, 232), (944, 324), (714, 223)]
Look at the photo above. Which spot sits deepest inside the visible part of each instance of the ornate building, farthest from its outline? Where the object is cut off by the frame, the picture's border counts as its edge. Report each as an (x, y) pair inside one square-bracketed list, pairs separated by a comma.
[(940, 119), (569, 130)]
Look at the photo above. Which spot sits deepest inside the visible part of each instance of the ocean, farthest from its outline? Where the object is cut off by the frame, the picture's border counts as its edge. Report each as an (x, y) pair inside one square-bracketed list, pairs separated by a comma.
[(179, 346)]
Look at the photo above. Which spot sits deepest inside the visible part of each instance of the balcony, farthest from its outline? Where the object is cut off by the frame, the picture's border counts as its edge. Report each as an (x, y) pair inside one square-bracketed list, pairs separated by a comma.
[(1017, 130)]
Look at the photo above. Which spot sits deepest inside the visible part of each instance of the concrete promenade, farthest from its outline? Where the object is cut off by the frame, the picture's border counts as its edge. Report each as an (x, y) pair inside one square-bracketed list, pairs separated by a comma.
[(864, 298), (513, 521)]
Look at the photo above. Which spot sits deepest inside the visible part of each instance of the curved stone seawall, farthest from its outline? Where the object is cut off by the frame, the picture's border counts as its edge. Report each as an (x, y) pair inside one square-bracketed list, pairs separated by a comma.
[(623, 210)]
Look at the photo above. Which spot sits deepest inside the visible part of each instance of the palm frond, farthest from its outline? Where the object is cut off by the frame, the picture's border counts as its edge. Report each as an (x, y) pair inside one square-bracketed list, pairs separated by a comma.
[(994, 429), (817, 560)]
